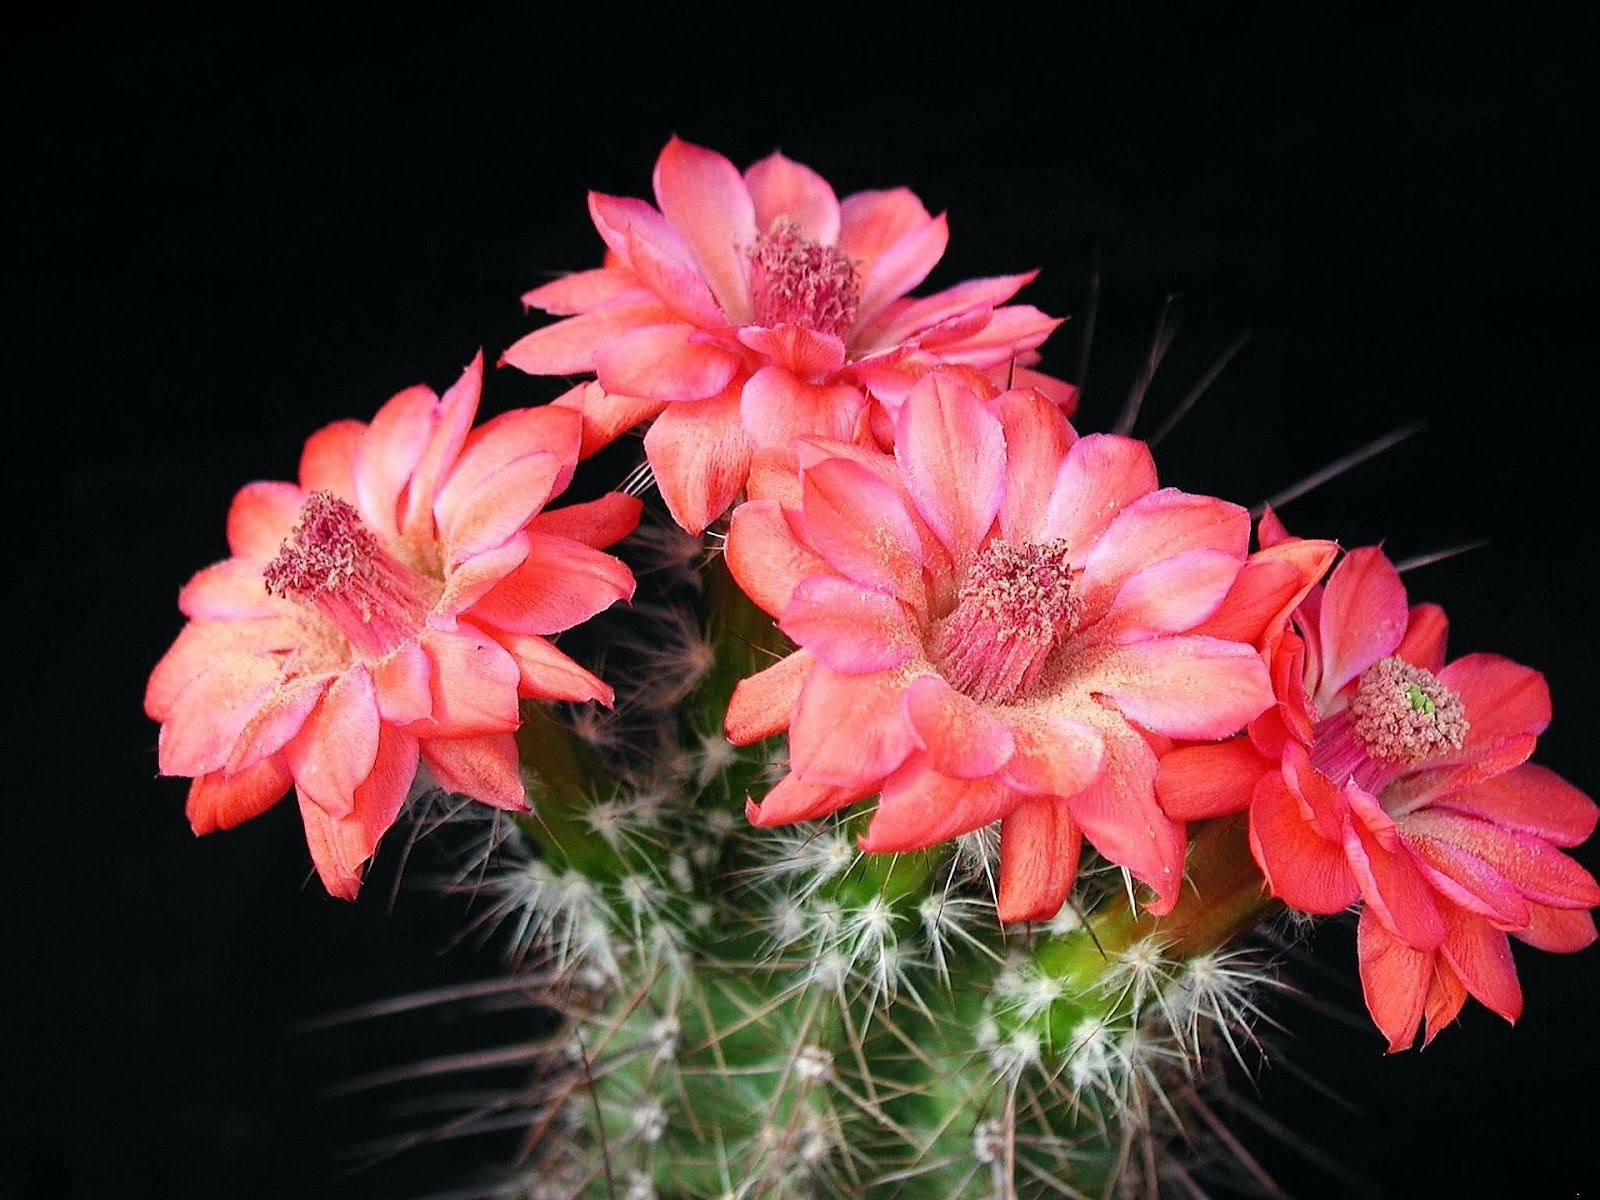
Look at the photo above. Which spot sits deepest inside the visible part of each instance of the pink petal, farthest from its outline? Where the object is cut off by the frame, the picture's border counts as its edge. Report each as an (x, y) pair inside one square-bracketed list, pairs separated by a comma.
[(1156, 526), (202, 645), (1039, 849), (1391, 883), (1530, 799), (1269, 587), (484, 768), (485, 518), (605, 417), (796, 799), (1037, 439), (532, 443), (1530, 864), (207, 716), (665, 265), (1557, 930), (859, 524), (474, 685), (558, 585), (919, 807), (1119, 814), (469, 581), (1502, 698), (1304, 869), (387, 455), (851, 629), (341, 846), (1170, 596), (925, 312), (764, 557), (665, 362), (848, 730), (261, 516), (404, 680), (581, 291), (595, 523), (1186, 687), (763, 703), (276, 721), (952, 456), (872, 221), (782, 188), (218, 801), (452, 423), (1394, 981), (1210, 781), (1010, 333), (231, 590), (1426, 631), (568, 347), (700, 455), (776, 407), (900, 267), (808, 353), (1362, 619), (1465, 880), (336, 748), (960, 738), (545, 673), (1101, 476), (706, 199), (327, 464), (1053, 755), (1481, 956)]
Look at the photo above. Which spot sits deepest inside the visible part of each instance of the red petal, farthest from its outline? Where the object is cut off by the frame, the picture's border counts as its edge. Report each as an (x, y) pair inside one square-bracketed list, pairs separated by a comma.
[(1039, 848), (1394, 980), (796, 799), (260, 517), (849, 730), (221, 802), (1304, 869), (700, 455), (919, 807), (764, 556), (484, 768), (1210, 781), (960, 737), (763, 703), (335, 749)]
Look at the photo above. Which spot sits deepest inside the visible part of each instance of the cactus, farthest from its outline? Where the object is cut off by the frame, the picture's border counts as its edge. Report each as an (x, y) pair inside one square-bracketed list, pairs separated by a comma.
[(774, 1013)]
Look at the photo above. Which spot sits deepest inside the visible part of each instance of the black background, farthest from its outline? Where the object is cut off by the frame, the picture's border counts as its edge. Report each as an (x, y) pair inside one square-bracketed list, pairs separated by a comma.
[(224, 236)]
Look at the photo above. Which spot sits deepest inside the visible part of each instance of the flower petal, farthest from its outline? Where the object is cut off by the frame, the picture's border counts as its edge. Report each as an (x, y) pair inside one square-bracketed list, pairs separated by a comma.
[(952, 456), (336, 748), (849, 730), (852, 629), (1119, 814), (260, 517), (859, 524), (1304, 868), (1039, 849), (781, 188), (707, 201), (1186, 687), (960, 738), (700, 455), (219, 801), (763, 703), (919, 807), (1196, 782), (484, 768), (341, 846), (796, 799), (1394, 981), (1361, 619), (765, 558), (545, 673), (559, 584), (1101, 476), (1053, 755), (665, 362)]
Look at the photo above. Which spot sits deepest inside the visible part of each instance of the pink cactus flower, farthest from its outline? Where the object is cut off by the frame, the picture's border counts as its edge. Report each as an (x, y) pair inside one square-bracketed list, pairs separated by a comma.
[(388, 609), (993, 625), (1396, 779), (749, 309)]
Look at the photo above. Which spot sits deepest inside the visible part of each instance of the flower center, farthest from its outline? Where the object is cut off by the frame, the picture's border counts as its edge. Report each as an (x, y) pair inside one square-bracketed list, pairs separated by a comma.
[(1399, 715), (798, 282), (334, 563), (1403, 714), (1015, 606)]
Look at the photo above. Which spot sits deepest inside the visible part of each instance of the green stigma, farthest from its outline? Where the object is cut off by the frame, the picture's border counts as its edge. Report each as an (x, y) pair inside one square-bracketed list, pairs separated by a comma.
[(1420, 700)]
